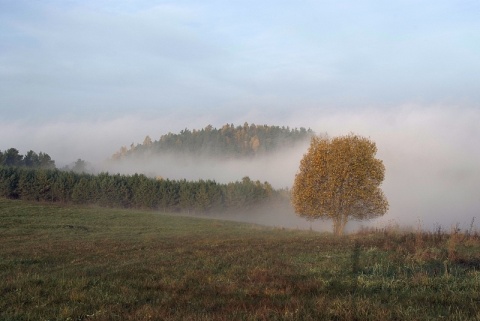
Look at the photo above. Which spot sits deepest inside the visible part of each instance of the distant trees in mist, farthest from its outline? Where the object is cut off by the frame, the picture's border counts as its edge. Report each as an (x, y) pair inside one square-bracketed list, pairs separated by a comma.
[(35, 177), (136, 191), (12, 157), (226, 142)]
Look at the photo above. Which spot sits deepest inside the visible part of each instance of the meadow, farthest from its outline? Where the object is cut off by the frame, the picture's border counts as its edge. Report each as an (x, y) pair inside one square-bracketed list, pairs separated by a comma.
[(60, 262)]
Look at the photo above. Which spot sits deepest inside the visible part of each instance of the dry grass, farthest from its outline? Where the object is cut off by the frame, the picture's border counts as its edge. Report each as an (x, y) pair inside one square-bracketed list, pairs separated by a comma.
[(76, 263)]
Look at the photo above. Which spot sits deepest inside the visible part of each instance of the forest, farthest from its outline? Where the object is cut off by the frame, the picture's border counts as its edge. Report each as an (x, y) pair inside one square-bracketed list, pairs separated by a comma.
[(230, 141), (34, 177), (12, 157), (135, 191)]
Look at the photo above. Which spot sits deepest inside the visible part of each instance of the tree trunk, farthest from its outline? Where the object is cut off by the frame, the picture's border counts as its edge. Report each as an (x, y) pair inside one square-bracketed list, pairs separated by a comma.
[(339, 225)]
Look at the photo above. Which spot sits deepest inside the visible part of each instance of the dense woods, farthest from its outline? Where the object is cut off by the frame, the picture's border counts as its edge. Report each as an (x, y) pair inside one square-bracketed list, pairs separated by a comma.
[(12, 157), (226, 142), (35, 177), (136, 191)]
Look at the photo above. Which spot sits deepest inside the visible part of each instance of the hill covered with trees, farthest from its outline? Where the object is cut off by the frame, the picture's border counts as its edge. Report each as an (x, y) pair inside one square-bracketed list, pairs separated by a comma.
[(227, 142), (34, 177)]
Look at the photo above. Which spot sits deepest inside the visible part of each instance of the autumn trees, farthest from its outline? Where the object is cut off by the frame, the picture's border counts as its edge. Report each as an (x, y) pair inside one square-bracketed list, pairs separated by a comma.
[(339, 179), (229, 141)]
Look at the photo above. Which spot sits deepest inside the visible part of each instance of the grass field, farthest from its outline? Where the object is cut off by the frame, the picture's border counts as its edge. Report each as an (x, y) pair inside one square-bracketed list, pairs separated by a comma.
[(84, 263)]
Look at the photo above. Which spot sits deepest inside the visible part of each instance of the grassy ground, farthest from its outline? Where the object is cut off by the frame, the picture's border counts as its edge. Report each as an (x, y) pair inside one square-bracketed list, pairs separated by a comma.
[(74, 263)]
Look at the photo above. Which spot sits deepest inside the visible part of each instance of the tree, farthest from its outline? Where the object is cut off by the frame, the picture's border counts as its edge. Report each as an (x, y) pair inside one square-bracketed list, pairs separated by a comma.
[(339, 179), (81, 191), (80, 166), (203, 201), (12, 157), (186, 195), (45, 161), (9, 178), (147, 141), (31, 159)]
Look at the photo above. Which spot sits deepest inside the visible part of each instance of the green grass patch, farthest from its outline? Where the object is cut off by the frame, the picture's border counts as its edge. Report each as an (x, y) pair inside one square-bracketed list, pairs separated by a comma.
[(86, 263)]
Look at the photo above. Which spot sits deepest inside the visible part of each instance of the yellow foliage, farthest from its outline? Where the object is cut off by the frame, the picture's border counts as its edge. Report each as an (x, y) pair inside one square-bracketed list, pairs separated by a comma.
[(254, 143), (339, 179)]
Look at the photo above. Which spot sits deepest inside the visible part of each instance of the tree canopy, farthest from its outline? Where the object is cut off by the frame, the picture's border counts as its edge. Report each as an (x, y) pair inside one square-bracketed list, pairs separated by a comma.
[(339, 179), (12, 157), (135, 191), (35, 177), (227, 142)]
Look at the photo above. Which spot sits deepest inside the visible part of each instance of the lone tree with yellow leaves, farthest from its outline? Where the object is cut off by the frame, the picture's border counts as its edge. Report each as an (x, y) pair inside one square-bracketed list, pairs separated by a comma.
[(339, 179)]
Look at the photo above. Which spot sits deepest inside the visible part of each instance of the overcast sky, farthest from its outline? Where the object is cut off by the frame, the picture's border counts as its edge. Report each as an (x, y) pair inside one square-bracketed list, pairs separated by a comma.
[(90, 58), (79, 79)]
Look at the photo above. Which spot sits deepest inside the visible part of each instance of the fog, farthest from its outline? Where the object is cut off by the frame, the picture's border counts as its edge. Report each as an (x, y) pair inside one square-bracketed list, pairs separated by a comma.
[(278, 168), (430, 153), (432, 161)]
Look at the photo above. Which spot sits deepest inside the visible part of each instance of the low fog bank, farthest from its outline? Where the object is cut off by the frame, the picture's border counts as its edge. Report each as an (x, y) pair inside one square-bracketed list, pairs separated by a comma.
[(278, 168), (273, 214), (431, 155), (280, 214), (67, 140), (432, 161)]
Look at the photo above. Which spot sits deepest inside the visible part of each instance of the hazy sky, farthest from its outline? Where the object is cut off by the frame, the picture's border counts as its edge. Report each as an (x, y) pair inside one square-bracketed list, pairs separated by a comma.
[(90, 58), (78, 79)]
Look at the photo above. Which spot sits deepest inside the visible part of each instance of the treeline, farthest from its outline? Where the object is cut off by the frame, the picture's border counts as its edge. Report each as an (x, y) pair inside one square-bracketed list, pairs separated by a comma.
[(12, 157), (227, 142), (136, 191)]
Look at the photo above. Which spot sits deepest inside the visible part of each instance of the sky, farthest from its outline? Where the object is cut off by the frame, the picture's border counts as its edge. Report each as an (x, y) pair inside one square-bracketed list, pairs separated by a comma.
[(79, 79)]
